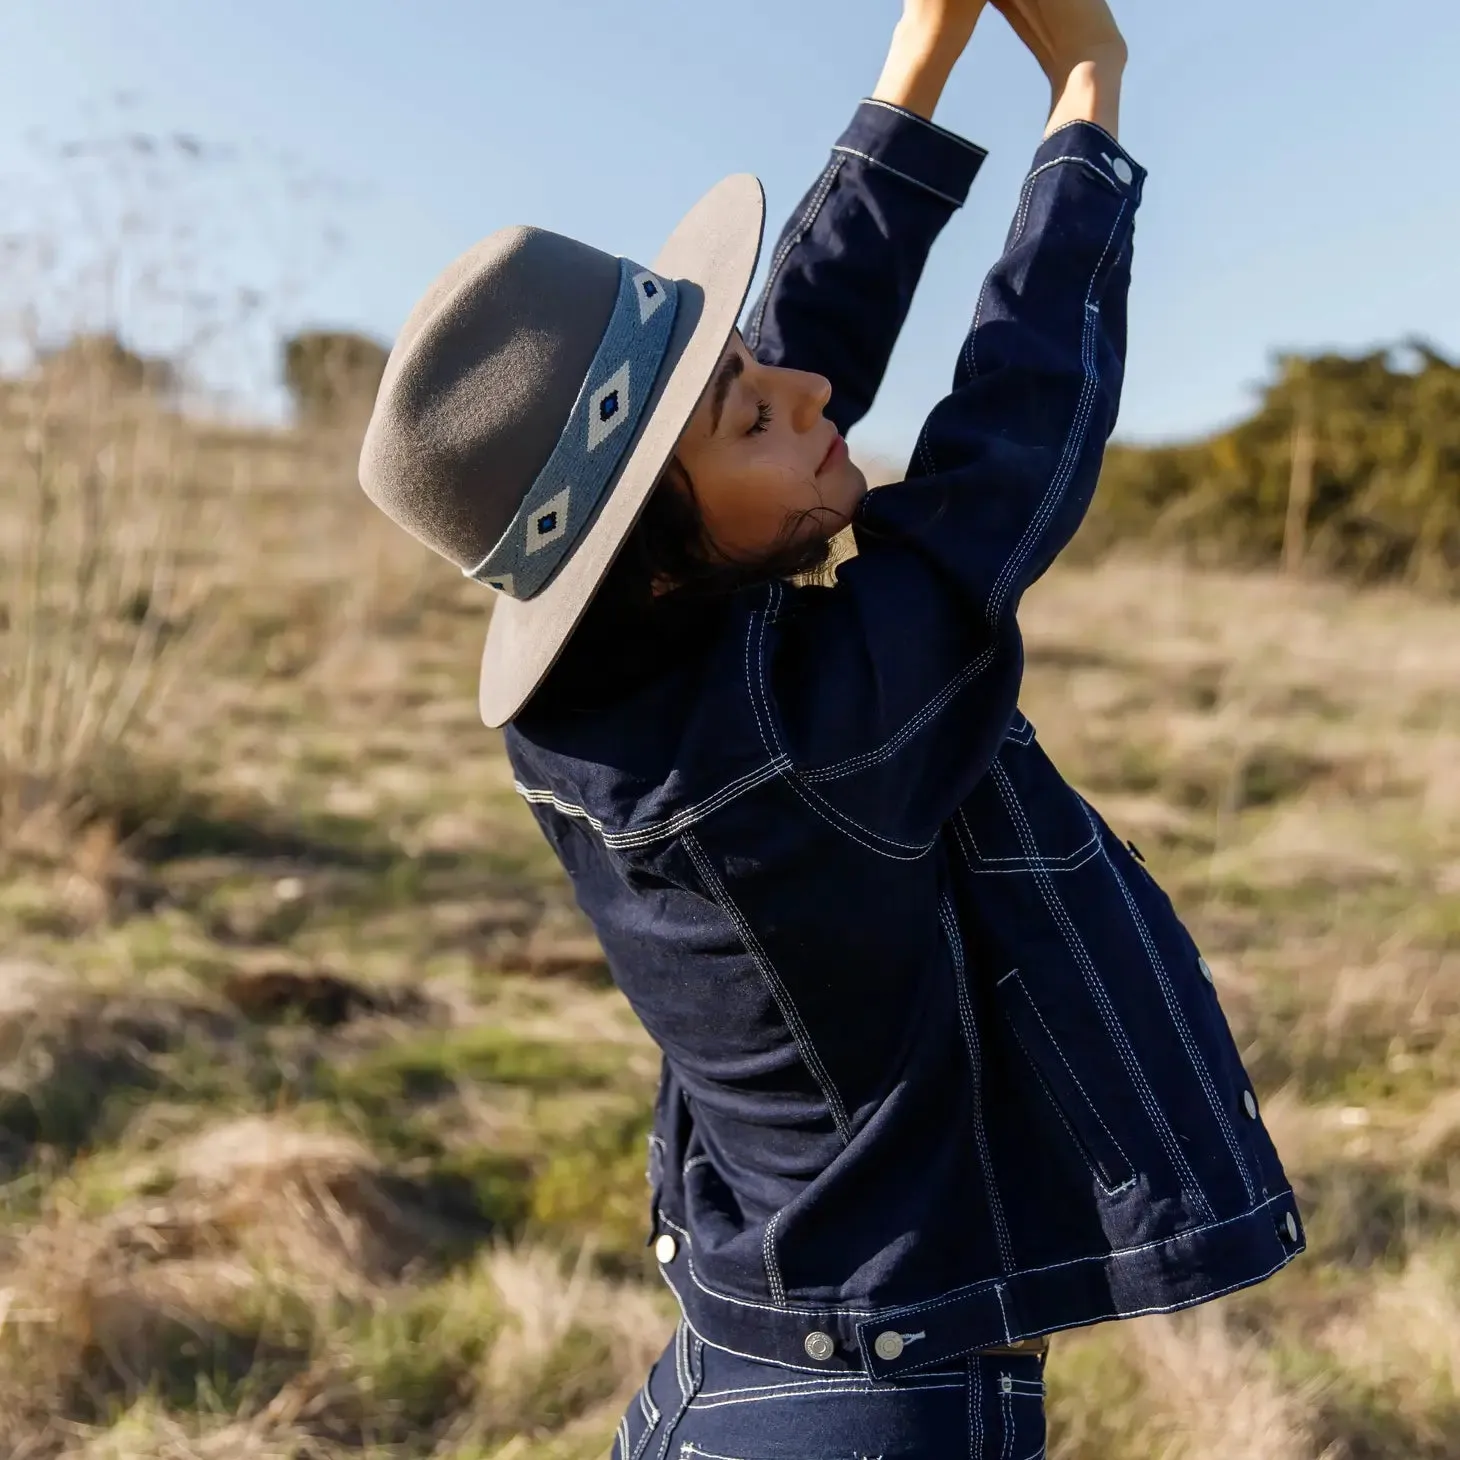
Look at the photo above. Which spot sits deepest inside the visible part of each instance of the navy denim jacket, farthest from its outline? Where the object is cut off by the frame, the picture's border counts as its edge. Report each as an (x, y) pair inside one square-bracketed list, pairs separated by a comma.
[(942, 1068)]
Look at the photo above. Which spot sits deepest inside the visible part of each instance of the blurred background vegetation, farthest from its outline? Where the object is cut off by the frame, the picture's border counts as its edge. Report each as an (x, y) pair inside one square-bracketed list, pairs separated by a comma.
[(1349, 466)]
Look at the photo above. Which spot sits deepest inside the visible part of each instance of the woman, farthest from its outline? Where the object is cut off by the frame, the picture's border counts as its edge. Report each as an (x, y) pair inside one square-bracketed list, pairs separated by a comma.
[(943, 1072)]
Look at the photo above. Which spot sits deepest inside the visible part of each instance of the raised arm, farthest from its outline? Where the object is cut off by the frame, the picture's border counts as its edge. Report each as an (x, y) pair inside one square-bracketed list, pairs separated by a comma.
[(889, 693), (848, 260)]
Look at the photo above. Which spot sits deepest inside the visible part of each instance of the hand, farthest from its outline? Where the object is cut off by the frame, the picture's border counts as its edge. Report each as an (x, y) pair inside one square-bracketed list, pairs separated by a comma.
[(1065, 34)]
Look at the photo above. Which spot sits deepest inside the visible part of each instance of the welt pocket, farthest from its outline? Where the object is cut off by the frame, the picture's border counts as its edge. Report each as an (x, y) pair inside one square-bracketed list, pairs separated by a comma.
[(1065, 1090)]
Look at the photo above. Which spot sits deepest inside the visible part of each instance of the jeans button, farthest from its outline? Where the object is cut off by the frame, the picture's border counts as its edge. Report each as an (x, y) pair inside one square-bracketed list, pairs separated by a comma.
[(888, 1345), (1290, 1226), (665, 1248), (1249, 1104), (1205, 969), (819, 1345)]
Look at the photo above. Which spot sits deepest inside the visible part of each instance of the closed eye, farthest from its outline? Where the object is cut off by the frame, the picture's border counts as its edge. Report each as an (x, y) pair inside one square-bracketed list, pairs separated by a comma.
[(763, 418)]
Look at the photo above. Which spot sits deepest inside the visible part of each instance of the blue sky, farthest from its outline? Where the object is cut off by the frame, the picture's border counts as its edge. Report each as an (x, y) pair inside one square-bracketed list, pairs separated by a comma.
[(1302, 192)]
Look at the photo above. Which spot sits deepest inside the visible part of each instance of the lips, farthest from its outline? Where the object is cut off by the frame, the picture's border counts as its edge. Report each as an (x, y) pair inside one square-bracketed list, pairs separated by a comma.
[(834, 453)]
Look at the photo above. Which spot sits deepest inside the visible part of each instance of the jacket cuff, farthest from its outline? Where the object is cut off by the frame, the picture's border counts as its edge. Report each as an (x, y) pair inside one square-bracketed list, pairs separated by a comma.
[(910, 147), (1084, 142)]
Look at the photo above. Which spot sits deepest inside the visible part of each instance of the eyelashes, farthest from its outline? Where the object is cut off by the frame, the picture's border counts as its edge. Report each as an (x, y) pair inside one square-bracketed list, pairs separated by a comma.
[(763, 417)]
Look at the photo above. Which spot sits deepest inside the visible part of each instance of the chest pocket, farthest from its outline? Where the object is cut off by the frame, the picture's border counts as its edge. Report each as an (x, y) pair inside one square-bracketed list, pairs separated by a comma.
[(1022, 817)]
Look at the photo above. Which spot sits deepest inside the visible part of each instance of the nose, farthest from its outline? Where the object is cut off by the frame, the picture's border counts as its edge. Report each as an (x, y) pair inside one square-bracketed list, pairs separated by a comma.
[(809, 394)]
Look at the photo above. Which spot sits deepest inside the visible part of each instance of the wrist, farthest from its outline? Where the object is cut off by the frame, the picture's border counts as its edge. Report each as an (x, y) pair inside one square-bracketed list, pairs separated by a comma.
[(1089, 91), (916, 70)]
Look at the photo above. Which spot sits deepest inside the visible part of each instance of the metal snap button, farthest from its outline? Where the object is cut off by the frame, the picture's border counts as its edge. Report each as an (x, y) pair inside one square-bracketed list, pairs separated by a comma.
[(1249, 1104), (1006, 1384), (1205, 969), (666, 1248), (1122, 169), (1291, 1227), (819, 1345), (888, 1345)]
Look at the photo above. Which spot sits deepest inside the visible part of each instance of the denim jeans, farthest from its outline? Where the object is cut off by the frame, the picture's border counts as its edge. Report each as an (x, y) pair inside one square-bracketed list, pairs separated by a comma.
[(702, 1403)]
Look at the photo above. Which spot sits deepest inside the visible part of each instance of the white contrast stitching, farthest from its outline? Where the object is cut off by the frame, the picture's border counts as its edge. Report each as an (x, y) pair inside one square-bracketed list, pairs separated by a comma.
[(975, 1412), (982, 866), (779, 992), (917, 182), (1069, 1069), (1023, 732), (889, 748), (1181, 1303), (683, 1373), (970, 346), (927, 122), (1003, 1311), (808, 218), (1183, 1029), (1081, 122), (1045, 167), (1065, 471), (810, 1385), (772, 1267), (907, 851), (1064, 1121), (1095, 985), (792, 1392), (655, 830), (899, 1315), (892, 1316), (1053, 494), (652, 1417), (949, 919)]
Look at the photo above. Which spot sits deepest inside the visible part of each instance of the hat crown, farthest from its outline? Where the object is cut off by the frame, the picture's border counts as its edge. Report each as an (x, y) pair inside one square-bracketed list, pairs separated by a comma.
[(481, 383)]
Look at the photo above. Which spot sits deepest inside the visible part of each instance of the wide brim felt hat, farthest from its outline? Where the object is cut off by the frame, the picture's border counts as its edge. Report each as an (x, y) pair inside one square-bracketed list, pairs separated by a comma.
[(487, 425)]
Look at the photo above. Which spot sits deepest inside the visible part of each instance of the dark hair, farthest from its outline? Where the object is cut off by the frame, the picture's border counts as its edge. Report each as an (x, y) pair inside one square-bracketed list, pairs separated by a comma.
[(668, 576)]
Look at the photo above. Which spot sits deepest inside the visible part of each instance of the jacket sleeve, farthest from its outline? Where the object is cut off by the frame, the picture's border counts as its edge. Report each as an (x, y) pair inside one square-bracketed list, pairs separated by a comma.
[(849, 258), (890, 692)]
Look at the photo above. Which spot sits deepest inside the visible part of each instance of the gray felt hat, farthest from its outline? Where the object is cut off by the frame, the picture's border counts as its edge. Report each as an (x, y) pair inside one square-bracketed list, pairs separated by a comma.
[(534, 396)]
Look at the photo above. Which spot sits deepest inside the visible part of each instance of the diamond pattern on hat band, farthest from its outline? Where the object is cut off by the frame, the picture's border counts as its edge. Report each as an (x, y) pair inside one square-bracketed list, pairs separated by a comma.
[(584, 462), (548, 523), (609, 407)]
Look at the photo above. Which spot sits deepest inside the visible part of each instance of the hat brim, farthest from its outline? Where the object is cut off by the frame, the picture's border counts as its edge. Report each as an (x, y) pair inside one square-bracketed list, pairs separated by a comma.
[(712, 256)]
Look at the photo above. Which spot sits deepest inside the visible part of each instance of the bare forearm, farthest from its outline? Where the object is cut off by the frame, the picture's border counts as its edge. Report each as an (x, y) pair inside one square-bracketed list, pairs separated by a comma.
[(1091, 93), (917, 69)]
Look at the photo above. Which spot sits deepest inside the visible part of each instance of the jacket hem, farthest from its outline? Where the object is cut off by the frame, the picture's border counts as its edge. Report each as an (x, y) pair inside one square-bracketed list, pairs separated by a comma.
[(1176, 1272)]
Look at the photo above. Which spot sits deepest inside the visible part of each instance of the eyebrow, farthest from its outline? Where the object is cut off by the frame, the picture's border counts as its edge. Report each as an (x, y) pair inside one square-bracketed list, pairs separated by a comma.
[(730, 372)]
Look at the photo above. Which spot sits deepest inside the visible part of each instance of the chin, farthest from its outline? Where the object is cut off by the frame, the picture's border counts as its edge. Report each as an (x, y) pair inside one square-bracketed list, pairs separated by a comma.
[(851, 487)]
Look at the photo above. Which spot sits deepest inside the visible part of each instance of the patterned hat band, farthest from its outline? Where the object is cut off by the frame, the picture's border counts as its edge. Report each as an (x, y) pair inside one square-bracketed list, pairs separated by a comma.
[(566, 494)]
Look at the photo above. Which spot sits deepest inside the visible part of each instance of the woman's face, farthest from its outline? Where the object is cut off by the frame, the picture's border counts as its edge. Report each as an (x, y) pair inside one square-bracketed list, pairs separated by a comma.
[(769, 470)]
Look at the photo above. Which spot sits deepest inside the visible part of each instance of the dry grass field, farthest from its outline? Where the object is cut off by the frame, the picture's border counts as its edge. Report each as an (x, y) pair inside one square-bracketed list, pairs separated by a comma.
[(321, 1127)]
